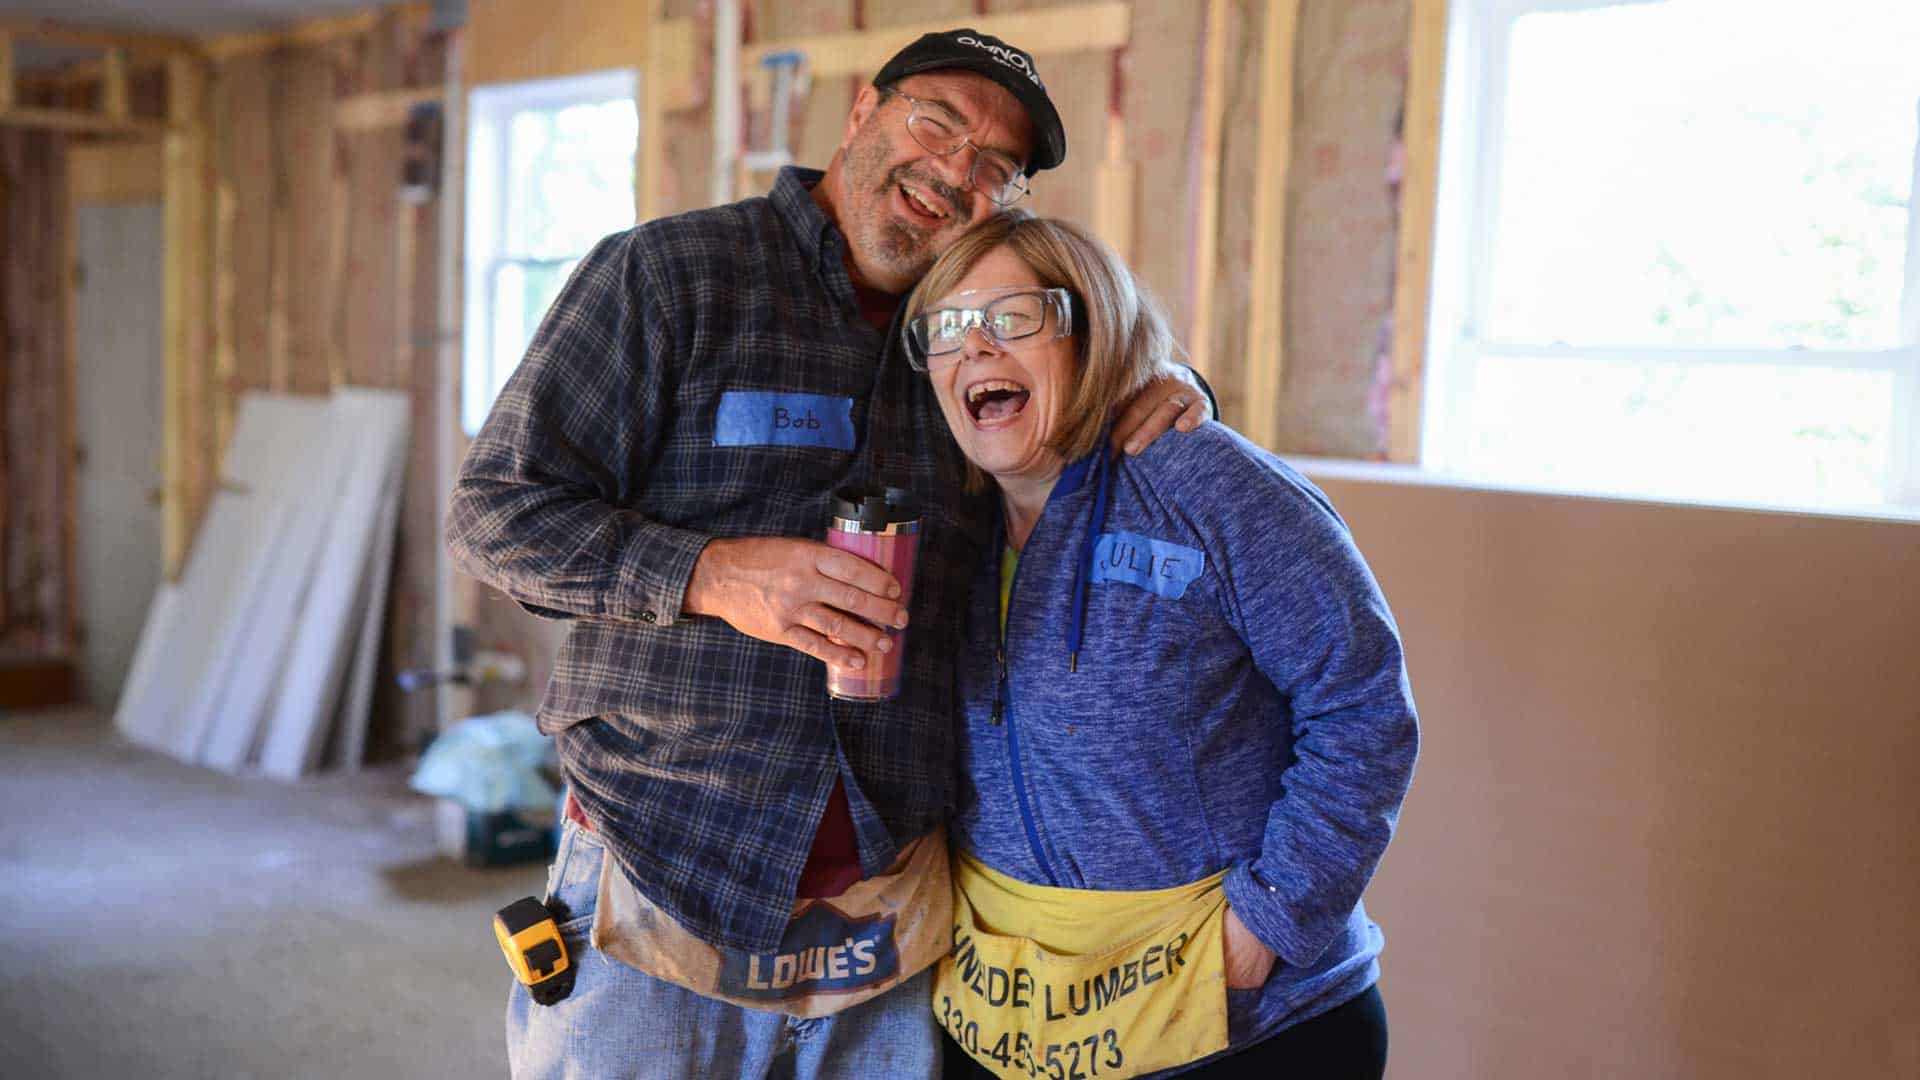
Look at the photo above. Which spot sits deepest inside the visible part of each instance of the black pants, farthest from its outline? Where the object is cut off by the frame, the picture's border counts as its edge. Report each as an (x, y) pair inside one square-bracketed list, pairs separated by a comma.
[(1346, 1043)]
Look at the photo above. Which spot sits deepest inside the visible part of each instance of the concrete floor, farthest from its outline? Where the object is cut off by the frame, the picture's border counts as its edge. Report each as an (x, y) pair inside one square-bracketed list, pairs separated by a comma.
[(167, 921)]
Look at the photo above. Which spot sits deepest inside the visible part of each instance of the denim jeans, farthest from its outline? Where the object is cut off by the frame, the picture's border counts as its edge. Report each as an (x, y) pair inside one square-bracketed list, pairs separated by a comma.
[(622, 1024)]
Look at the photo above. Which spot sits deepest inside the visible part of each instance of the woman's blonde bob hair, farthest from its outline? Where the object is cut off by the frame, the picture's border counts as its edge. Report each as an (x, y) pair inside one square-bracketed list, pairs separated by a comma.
[(1120, 335)]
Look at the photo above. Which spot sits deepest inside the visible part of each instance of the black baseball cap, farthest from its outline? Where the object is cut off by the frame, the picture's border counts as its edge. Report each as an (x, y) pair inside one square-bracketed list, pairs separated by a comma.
[(984, 54)]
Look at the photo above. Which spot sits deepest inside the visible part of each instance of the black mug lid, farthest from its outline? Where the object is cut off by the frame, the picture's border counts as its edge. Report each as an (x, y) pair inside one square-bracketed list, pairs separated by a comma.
[(874, 506)]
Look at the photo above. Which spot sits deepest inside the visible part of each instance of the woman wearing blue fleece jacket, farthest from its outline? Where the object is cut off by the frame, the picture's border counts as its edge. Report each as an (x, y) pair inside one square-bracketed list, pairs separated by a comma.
[(1188, 724)]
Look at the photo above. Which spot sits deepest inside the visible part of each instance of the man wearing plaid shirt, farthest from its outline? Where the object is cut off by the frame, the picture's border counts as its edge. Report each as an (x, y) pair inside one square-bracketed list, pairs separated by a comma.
[(654, 471)]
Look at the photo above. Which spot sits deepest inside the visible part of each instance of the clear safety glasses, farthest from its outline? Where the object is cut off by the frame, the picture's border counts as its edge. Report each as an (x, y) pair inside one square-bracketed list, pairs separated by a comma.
[(1005, 315), (939, 131)]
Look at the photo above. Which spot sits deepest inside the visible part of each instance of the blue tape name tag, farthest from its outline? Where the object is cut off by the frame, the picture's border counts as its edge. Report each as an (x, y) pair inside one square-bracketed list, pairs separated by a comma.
[(1158, 566), (822, 951), (762, 418)]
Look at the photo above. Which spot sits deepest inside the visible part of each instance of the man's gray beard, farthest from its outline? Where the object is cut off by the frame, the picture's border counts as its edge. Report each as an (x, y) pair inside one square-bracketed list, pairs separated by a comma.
[(900, 247)]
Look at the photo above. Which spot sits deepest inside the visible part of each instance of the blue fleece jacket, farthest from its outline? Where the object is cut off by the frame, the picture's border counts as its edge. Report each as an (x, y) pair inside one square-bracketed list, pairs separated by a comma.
[(1200, 674)]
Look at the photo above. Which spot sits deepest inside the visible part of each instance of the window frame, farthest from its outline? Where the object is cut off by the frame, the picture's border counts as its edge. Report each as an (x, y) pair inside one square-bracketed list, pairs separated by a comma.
[(490, 113), (1472, 147)]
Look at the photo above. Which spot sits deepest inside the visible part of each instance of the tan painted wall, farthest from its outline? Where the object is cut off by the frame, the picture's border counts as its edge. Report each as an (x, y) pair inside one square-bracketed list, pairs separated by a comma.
[(1664, 819)]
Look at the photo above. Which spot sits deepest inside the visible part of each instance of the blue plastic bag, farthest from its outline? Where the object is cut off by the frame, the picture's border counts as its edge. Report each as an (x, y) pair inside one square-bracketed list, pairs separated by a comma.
[(490, 764)]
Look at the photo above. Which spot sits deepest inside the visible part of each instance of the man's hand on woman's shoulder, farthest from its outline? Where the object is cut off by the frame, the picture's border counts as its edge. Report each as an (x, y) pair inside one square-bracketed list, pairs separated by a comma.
[(1170, 401)]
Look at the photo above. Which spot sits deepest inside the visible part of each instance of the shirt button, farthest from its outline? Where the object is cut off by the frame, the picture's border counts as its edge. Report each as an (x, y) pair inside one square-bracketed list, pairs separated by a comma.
[(648, 616)]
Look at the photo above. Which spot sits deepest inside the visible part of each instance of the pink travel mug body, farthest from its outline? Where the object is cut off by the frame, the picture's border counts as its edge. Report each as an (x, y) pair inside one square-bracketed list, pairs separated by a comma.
[(880, 524)]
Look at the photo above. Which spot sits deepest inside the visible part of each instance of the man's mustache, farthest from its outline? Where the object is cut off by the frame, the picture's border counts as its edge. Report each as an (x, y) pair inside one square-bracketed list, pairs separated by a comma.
[(956, 199)]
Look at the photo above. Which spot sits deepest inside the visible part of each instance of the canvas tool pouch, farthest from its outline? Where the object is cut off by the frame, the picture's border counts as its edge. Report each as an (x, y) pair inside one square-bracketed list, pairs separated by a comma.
[(837, 952), (1077, 983)]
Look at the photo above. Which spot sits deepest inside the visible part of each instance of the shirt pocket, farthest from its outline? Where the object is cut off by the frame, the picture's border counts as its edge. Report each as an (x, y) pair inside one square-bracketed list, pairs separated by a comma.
[(768, 453)]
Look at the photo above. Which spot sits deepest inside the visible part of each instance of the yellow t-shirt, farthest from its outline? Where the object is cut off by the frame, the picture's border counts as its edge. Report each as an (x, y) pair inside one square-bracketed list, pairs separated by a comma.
[(1009, 562)]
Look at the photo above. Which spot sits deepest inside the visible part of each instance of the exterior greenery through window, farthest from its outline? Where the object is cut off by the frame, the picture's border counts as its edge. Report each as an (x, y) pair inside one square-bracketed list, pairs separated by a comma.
[(1676, 255)]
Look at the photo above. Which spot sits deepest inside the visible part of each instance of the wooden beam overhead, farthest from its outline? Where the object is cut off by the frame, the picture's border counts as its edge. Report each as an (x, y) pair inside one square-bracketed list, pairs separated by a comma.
[(308, 32), (83, 73), (47, 30), (105, 173), (1419, 189), (1265, 368), (80, 120), (1079, 28)]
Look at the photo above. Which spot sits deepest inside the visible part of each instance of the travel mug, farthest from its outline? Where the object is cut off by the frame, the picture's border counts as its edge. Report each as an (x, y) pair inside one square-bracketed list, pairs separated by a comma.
[(882, 525)]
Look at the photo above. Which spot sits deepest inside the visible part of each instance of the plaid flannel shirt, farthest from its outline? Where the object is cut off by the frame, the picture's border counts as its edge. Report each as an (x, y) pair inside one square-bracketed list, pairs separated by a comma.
[(703, 756)]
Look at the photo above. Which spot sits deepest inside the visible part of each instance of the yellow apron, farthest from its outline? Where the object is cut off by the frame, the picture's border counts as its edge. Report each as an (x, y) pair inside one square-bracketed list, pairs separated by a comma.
[(1071, 984)]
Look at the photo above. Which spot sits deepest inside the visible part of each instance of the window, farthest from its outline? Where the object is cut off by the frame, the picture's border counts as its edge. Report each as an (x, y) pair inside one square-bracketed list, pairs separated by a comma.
[(1676, 254), (549, 173)]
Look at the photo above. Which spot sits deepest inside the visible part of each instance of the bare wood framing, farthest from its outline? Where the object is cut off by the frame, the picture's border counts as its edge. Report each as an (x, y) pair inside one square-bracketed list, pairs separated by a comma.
[(1206, 233), (46, 30), (69, 462), (226, 352), (1080, 28), (226, 217), (6, 412), (1115, 183), (80, 74), (279, 237), (1419, 187), (6, 70), (79, 120), (340, 237), (406, 229), (455, 598), (104, 173), (309, 32), (185, 304), (382, 108), (113, 85), (668, 85), (1266, 356)]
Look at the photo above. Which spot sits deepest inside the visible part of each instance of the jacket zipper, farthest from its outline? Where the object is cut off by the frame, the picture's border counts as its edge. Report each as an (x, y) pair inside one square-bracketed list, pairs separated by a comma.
[(1003, 714)]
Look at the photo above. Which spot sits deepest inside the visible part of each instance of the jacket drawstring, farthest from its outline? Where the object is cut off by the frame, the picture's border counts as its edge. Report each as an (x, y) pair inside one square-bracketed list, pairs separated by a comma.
[(1082, 577)]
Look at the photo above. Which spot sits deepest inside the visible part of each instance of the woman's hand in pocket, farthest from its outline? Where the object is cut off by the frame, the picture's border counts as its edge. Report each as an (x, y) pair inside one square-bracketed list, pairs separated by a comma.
[(1248, 961)]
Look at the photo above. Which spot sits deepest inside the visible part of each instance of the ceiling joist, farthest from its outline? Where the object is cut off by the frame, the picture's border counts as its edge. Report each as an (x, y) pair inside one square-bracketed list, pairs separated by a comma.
[(53, 33)]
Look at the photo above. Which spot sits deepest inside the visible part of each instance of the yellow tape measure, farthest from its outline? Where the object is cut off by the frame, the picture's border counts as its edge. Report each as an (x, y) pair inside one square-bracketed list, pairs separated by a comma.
[(531, 940)]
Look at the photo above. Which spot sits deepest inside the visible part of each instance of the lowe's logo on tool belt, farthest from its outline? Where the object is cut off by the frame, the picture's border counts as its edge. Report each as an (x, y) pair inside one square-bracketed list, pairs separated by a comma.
[(823, 951), (1158, 566), (763, 418), (1012, 58)]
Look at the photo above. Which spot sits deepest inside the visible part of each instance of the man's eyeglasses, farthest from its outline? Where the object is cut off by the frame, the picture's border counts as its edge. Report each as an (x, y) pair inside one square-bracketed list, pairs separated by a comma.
[(940, 132), (935, 338)]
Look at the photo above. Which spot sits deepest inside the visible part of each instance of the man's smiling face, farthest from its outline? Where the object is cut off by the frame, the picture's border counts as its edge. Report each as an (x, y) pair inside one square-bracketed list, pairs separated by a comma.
[(900, 205)]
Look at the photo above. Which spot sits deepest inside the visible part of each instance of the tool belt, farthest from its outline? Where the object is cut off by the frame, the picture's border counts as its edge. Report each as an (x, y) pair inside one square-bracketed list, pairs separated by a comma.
[(1061, 983), (836, 953)]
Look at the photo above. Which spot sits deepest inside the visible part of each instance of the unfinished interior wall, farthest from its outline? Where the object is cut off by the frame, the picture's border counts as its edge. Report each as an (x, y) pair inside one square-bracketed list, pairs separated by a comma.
[(1349, 79), (325, 275), (36, 477), (1663, 819)]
